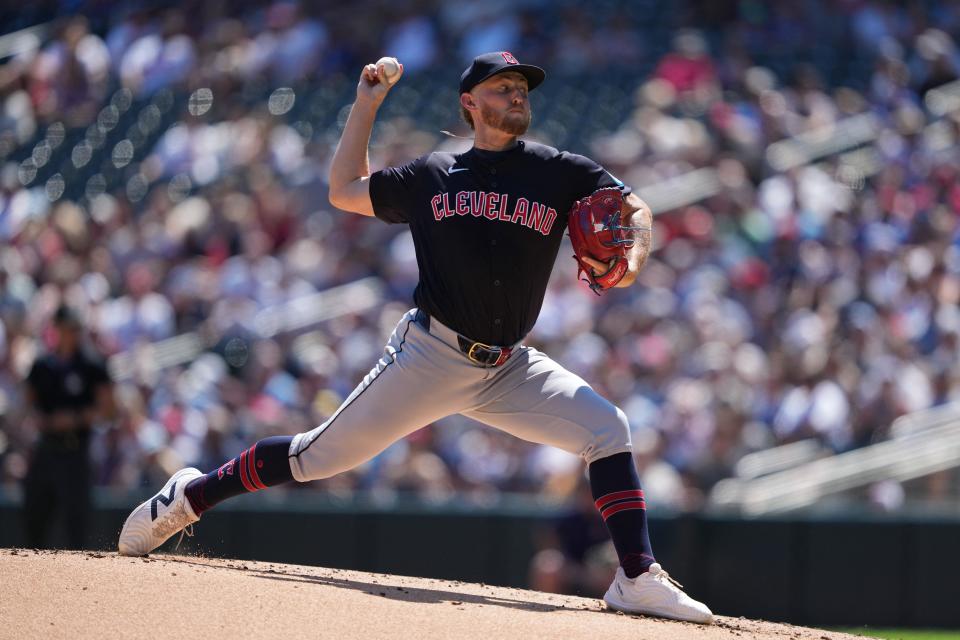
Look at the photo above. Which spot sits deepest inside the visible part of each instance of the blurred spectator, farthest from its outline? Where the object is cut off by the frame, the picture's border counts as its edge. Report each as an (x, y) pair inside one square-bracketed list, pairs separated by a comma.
[(69, 77), (414, 40), (936, 62), (492, 29), (160, 58), (688, 69)]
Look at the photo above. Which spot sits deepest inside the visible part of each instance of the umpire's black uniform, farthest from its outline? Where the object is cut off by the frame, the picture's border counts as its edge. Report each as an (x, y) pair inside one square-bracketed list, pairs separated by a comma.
[(63, 386)]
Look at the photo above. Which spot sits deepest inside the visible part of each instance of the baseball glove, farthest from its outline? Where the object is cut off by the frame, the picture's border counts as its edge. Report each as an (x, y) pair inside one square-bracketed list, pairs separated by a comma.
[(596, 231)]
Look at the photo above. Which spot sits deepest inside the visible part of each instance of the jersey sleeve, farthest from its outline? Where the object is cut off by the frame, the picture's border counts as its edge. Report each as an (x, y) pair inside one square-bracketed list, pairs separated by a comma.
[(588, 176), (392, 190)]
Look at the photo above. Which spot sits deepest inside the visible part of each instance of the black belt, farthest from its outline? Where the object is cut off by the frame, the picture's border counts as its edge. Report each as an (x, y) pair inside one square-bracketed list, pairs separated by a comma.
[(482, 355)]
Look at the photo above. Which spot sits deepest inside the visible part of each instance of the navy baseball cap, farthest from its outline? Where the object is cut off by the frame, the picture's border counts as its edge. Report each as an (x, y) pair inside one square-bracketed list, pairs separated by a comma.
[(66, 316), (490, 64)]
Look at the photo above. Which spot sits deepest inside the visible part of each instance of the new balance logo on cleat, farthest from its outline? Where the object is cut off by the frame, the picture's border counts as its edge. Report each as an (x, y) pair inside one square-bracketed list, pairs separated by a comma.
[(166, 500), (147, 527), (619, 588)]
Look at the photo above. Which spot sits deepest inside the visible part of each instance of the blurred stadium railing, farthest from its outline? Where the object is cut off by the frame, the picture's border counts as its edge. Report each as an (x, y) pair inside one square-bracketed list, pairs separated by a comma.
[(145, 360), (784, 479)]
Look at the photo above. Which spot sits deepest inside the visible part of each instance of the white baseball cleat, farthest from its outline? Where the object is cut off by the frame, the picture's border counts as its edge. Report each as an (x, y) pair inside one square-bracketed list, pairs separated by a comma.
[(655, 593), (153, 522)]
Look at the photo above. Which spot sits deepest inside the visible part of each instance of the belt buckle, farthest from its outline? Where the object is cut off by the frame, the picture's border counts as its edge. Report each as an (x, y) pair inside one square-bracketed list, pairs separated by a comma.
[(478, 345)]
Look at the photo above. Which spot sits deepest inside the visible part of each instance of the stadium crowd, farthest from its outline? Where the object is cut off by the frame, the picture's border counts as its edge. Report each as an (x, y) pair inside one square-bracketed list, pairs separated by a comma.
[(818, 301)]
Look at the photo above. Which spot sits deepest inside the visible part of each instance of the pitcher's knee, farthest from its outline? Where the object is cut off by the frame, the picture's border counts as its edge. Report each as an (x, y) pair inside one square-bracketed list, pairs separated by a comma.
[(610, 436), (316, 465), (313, 460)]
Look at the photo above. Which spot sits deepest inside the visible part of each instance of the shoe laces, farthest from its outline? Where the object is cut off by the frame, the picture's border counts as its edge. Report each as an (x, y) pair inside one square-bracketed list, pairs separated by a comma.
[(186, 531), (659, 573)]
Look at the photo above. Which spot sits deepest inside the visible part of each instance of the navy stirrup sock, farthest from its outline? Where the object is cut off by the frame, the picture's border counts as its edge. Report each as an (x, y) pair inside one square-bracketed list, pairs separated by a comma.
[(263, 465), (619, 498)]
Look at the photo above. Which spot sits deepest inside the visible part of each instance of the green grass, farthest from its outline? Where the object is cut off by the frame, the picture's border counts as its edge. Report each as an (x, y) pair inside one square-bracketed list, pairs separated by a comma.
[(905, 634)]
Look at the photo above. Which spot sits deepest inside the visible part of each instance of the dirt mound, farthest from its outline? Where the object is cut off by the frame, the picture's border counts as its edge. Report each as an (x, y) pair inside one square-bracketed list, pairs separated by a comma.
[(59, 594)]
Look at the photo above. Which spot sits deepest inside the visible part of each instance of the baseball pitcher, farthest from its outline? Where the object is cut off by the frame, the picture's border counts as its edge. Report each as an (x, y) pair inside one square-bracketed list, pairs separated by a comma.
[(487, 225)]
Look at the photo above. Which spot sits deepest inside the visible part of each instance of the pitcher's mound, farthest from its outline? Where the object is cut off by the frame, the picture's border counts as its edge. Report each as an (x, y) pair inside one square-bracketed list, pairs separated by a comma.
[(59, 594)]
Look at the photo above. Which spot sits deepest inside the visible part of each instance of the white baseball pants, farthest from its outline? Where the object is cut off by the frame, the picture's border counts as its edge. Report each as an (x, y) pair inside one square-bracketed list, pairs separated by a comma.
[(423, 376)]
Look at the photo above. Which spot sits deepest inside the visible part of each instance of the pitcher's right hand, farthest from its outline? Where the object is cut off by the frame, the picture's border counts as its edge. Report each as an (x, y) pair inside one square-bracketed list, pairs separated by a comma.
[(373, 86)]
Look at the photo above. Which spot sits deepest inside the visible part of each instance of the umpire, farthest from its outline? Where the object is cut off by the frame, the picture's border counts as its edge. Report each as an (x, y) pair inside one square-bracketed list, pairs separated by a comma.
[(67, 389)]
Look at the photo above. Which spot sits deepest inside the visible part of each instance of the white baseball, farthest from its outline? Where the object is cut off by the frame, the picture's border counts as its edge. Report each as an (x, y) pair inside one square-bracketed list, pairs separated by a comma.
[(391, 69)]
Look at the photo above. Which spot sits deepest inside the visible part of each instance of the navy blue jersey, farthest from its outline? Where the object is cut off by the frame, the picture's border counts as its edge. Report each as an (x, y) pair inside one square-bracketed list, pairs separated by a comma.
[(60, 384), (487, 226)]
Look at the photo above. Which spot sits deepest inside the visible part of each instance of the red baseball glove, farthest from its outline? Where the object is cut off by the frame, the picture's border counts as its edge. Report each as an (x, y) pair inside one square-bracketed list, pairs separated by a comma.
[(596, 231)]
